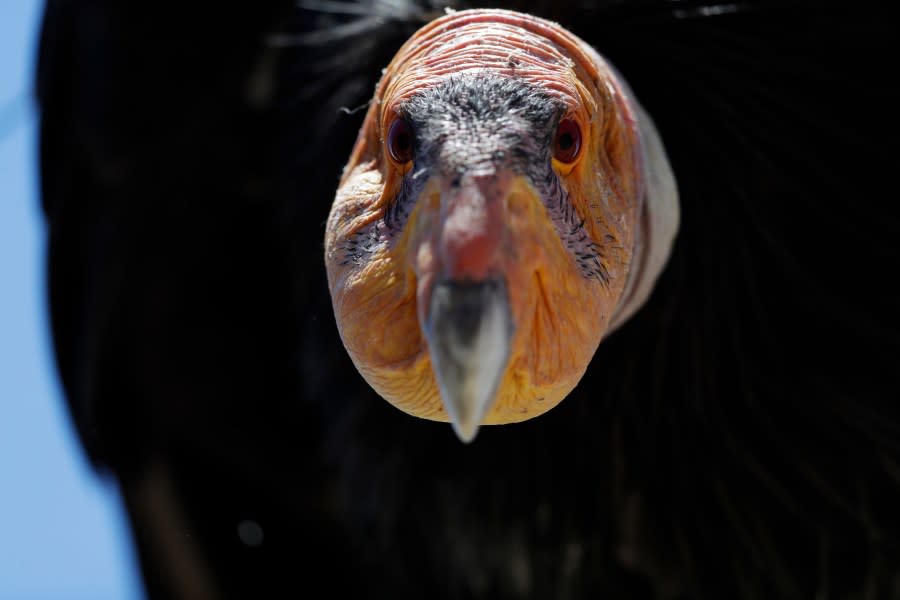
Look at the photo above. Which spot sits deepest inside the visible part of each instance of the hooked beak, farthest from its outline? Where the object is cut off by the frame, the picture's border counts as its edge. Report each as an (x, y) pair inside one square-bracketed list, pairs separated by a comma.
[(468, 324), (469, 330)]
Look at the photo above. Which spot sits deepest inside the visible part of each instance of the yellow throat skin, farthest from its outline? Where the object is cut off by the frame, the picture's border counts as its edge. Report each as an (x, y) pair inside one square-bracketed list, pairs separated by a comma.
[(381, 280)]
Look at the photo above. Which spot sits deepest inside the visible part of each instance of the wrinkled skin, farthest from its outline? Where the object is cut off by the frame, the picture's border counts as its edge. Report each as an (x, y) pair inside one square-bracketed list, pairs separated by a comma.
[(561, 236)]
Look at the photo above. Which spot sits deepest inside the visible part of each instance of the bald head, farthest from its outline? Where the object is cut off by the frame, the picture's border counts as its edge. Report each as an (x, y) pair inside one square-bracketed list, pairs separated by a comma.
[(496, 192)]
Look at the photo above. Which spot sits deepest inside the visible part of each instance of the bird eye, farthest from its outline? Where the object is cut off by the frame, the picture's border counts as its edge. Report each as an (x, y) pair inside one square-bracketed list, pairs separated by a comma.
[(400, 141), (567, 144)]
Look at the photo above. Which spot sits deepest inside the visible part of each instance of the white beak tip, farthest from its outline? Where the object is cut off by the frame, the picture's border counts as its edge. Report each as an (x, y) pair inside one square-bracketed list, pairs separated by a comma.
[(466, 432), (468, 331)]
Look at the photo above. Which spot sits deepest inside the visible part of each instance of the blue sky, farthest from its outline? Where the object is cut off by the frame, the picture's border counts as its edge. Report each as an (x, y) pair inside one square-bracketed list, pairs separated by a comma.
[(63, 532)]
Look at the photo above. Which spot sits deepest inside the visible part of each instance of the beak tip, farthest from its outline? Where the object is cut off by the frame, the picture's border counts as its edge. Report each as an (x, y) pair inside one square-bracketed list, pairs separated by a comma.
[(468, 331), (466, 431)]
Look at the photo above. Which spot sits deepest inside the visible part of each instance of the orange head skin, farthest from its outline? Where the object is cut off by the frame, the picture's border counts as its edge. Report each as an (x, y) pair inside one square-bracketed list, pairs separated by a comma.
[(404, 221)]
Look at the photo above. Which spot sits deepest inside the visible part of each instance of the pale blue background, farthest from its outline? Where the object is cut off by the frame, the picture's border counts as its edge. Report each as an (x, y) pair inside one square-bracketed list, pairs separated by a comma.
[(63, 533)]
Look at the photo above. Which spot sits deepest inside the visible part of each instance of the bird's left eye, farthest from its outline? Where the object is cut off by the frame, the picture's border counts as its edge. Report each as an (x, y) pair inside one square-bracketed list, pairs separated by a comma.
[(567, 145), (400, 141)]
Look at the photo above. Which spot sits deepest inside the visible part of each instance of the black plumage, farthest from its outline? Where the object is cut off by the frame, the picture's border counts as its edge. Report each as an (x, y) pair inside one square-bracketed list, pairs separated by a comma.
[(739, 438)]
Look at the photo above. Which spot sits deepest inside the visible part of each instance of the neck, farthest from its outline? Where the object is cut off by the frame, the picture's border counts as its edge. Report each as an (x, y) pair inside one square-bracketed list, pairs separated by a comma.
[(657, 223)]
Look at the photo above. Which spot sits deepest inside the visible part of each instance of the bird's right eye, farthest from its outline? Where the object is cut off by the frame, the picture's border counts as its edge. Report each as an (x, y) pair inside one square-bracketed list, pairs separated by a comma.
[(400, 141), (567, 146)]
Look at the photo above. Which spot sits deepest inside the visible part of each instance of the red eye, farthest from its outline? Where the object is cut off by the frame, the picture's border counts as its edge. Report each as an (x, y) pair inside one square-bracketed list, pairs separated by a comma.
[(400, 141), (567, 144)]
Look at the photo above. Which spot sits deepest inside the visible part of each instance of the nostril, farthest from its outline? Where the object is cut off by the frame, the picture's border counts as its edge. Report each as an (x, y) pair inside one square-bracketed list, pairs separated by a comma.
[(493, 186), (473, 226)]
